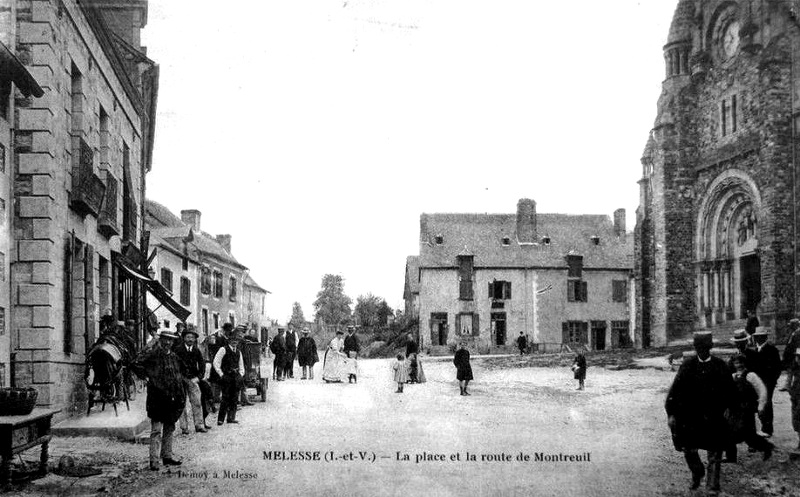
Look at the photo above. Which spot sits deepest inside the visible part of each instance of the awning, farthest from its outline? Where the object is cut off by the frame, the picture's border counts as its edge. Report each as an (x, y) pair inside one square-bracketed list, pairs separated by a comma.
[(10, 65), (161, 294)]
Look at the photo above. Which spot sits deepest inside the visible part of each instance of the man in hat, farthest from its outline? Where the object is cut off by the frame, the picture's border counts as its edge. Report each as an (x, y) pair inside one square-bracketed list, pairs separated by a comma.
[(278, 349), (701, 392), (740, 341), (291, 351), (193, 368), (241, 330), (307, 354), (792, 344), (165, 396), (522, 343), (229, 365), (351, 350), (767, 366)]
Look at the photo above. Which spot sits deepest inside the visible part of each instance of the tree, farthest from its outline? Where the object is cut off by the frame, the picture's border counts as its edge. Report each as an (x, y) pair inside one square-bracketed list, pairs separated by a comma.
[(366, 310), (298, 320), (384, 312), (332, 306)]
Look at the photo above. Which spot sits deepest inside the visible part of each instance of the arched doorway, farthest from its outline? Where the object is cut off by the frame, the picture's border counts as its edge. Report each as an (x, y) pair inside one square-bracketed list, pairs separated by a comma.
[(728, 264)]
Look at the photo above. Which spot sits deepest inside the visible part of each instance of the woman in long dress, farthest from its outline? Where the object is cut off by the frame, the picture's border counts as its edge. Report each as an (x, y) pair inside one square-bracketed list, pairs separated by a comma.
[(335, 365)]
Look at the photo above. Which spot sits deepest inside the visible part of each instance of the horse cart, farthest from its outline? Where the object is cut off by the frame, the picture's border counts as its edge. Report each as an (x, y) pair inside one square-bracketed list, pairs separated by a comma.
[(254, 377)]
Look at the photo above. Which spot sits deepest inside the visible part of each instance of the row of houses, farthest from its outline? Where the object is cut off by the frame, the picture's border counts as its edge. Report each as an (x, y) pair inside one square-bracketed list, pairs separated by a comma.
[(556, 278), (200, 272)]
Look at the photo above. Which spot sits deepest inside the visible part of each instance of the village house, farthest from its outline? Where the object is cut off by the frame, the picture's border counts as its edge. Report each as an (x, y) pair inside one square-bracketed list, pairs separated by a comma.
[(253, 305), (176, 266), (219, 281), (557, 278), (76, 164), (717, 224)]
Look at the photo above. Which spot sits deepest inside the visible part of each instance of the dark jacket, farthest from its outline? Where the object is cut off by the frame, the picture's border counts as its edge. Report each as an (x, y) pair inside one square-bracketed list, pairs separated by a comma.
[(579, 367), (192, 363), (411, 347), (291, 342), (767, 365), (307, 352), (463, 367), (165, 394), (351, 344), (522, 342), (698, 398), (751, 325), (791, 346)]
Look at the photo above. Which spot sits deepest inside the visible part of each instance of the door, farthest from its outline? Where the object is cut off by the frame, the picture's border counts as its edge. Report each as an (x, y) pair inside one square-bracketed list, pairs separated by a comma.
[(499, 327), (750, 267), (598, 335), (439, 328)]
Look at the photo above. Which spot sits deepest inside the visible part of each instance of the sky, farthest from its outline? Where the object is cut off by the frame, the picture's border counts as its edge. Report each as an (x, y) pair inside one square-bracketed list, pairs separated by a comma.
[(317, 132)]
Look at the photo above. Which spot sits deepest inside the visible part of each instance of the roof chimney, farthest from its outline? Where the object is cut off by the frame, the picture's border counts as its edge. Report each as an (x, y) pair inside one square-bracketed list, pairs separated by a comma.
[(192, 218), (225, 241), (526, 221), (619, 223)]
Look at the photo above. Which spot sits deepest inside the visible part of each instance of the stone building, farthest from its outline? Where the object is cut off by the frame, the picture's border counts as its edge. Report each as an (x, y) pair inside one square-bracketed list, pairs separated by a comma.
[(175, 265), (716, 230), (557, 278), (411, 288), (80, 153), (220, 275)]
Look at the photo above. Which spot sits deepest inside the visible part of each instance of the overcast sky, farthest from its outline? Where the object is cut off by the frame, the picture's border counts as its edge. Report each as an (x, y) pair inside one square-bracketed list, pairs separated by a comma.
[(316, 132)]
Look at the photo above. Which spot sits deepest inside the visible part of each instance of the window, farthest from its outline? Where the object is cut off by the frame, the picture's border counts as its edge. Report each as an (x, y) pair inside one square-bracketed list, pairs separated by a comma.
[(467, 324), (186, 287), (218, 284), (620, 334), (575, 263), (166, 279), (595, 240), (506, 241), (2, 158), (619, 291), (205, 281), (204, 315), (728, 115), (577, 291), (575, 332), (232, 294), (232, 318), (2, 321), (185, 264), (500, 290), (166, 323), (439, 239), (465, 274), (546, 240), (216, 320), (2, 266)]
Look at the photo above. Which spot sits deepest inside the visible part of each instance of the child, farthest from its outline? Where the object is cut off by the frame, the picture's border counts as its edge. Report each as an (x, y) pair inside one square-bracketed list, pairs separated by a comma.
[(794, 393), (400, 373), (751, 397), (463, 368), (579, 368)]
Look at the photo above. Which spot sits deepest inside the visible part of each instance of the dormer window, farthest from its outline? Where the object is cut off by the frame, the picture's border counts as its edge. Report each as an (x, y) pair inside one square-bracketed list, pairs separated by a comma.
[(595, 240), (546, 240), (506, 241), (439, 239)]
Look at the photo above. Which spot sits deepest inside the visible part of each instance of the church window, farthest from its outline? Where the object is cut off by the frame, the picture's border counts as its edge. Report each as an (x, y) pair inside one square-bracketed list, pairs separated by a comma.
[(728, 115)]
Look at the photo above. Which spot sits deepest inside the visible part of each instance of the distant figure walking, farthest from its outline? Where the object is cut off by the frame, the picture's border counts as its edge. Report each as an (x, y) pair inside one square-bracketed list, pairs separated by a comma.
[(290, 354), (307, 354), (400, 372), (463, 368), (579, 368), (522, 343), (278, 349), (751, 324)]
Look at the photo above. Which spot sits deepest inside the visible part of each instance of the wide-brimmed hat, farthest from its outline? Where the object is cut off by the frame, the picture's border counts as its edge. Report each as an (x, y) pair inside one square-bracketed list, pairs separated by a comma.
[(191, 331), (760, 332), (350, 327), (703, 338), (339, 332), (740, 336), (167, 334), (306, 330), (794, 322)]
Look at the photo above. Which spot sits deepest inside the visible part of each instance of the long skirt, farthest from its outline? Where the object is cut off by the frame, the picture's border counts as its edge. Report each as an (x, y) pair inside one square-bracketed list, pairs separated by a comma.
[(335, 366)]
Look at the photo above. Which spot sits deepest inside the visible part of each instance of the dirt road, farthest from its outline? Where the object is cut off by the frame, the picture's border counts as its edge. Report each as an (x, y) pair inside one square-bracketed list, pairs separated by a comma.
[(524, 431)]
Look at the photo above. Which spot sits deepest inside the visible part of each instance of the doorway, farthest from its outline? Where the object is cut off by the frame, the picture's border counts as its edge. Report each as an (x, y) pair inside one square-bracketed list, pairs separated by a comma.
[(439, 328), (499, 328), (750, 267), (598, 335)]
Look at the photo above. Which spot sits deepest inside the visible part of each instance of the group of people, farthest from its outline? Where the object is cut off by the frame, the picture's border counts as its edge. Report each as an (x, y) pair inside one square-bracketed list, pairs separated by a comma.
[(408, 368), (341, 358), (286, 347), (179, 379), (713, 404)]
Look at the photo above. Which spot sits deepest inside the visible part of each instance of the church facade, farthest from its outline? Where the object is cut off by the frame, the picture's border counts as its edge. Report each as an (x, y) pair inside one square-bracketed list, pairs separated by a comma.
[(716, 228)]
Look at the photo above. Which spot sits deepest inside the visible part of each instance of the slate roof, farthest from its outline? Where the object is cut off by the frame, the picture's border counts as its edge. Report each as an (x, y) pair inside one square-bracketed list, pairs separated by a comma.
[(481, 235), (169, 227), (249, 281)]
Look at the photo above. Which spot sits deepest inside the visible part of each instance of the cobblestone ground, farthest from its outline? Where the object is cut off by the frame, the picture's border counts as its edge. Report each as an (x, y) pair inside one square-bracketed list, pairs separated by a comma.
[(369, 430)]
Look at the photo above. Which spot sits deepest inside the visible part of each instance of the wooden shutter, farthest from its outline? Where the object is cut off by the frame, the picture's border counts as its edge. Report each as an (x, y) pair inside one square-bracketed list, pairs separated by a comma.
[(565, 332), (508, 286), (584, 332), (584, 291), (475, 324)]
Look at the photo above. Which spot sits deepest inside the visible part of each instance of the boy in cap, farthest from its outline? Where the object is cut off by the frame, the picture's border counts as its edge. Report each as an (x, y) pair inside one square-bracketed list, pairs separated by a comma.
[(701, 392), (193, 368), (165, 396)]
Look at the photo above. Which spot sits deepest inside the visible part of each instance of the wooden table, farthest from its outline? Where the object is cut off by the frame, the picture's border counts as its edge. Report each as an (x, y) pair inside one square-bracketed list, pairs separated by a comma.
[(20, 433)]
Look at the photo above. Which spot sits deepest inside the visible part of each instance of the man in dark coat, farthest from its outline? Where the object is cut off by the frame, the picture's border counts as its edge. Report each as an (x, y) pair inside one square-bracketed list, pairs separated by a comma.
[(463, 368), (193, 367), (307, 354), (522, 343), (740, 341), (751, 325), (696, 403), (165, 396), (768, 367), (291, 353), (278, 349), (351, 350), (229, 365)]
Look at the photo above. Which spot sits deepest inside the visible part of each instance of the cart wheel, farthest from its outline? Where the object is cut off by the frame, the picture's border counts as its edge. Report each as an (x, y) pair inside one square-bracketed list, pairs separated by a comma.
[(263, 389)]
